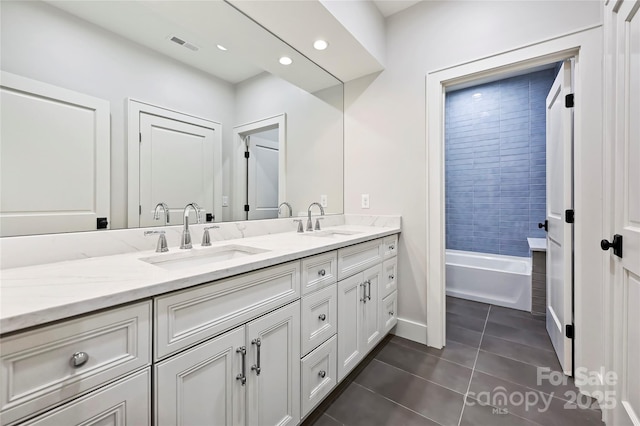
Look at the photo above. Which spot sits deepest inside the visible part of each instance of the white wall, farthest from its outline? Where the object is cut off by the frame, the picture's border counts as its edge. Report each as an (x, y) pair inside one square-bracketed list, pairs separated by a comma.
[(314, 134), (385, 153), (49, 45)]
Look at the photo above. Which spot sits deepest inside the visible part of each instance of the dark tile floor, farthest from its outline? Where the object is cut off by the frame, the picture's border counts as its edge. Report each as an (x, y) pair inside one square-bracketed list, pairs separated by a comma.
[(487, 374)]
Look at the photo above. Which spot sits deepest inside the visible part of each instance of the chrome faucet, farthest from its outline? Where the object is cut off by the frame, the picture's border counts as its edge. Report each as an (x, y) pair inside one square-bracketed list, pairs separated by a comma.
[(284, 203), (165, 210), (162, 246), (309, 223), (185, 242)]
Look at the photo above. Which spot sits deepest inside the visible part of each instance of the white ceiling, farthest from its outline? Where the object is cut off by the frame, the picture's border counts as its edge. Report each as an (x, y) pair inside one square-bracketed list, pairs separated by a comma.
[(390, 7), (251, 49)]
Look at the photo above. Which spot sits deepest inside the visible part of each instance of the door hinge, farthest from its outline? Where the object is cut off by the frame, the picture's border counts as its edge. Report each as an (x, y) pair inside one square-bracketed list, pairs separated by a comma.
[(140, 210), (140, 137), (246, 207), (102, 223), (568, 331), (569, 216), (569, 101), (246, 154)]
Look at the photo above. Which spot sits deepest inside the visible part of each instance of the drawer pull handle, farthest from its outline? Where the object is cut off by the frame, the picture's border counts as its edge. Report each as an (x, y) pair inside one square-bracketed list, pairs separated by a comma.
[(364, 292), (79, 359), (369, 295), (243, 376), (256, 366), (391, 276), (322, 373), (392, 246), (322, 272), (322, 317), (391, 313)]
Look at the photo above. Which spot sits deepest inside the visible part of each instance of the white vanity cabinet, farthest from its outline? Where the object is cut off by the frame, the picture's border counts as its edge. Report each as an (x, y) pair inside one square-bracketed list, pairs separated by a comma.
[(46, 366), (249, 375)]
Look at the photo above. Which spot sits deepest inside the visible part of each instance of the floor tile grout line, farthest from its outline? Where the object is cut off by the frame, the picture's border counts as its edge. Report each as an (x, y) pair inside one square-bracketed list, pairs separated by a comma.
[(464, 397), (324, 413), (522, 344), (419, 377), (395, 402), (432, 355), (514, 359)]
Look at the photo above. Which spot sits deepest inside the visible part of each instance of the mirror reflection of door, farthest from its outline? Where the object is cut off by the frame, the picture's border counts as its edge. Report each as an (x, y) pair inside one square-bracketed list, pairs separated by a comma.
[(177, 158), (262, 174)]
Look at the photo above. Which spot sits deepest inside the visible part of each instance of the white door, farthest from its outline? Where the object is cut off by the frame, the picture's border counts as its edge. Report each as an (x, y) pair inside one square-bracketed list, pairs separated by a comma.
[(273, 368), (201, 386), (351, 293), (262, 177), (176, 168), (372, 329), (623, 29), (559, 232), (54, 159)]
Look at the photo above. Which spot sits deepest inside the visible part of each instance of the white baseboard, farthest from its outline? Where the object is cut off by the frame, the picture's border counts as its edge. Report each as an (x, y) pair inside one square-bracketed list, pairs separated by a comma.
[(411, 330)]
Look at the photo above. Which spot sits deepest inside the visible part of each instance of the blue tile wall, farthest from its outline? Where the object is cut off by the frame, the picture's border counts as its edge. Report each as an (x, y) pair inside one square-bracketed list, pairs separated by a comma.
[(495, 164)]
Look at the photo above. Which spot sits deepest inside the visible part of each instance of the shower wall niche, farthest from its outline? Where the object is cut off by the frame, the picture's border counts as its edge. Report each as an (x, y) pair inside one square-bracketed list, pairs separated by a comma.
[(495, 164)]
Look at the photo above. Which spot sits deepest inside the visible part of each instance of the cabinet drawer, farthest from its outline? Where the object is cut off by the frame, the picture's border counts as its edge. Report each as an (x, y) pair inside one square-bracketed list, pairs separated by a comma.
[(188, 317), (36, 365), (319, 271), (319, 317), (389, 276), (359, 257), (318, 374), (389, 312), (390, 246), (125, 402)]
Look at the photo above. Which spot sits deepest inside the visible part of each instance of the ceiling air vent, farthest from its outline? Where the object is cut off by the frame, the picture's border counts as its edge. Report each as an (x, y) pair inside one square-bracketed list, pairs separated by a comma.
[(183, 43)]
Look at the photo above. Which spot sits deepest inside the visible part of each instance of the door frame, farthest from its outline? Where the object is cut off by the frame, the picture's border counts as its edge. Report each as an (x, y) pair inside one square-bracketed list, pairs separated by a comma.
[(134, 109), (239, 187), (586, 46)]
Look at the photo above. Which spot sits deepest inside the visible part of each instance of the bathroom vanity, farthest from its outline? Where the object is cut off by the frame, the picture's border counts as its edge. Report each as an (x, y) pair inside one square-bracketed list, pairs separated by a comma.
[(249, 331)]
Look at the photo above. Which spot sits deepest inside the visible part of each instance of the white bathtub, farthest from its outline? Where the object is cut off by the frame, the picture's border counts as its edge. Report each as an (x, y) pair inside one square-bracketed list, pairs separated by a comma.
[(489, 278)]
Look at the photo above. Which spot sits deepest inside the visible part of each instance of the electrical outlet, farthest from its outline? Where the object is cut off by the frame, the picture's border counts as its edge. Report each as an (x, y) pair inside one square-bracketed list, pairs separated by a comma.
[(225, 201), (323, 200), (365, 201)]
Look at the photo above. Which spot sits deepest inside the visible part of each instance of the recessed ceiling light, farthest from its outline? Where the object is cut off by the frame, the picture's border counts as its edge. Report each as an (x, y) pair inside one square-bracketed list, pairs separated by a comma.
[(320, 44), (285, 60), (221, 47)]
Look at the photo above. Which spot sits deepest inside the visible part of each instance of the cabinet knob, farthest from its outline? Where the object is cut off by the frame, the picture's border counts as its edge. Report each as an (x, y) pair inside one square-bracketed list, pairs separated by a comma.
[(391, 313), (321, 272), (322, 373), (391, 276), (79, 359), (392, 246), (322, 317)]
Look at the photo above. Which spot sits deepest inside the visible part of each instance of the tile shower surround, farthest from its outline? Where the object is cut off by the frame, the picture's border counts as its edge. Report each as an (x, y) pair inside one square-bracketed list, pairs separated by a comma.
[(495, 164)]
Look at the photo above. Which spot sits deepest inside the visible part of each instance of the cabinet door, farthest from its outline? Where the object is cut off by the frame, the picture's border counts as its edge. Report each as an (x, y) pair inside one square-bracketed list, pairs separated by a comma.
[(371, 327), (273, 368), (350, 304), (126, 402), (200, 386)]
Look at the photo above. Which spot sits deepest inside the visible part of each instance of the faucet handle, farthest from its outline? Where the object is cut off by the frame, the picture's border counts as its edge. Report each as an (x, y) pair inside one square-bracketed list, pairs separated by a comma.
[(206, 238), (162, 246), (318, 219), (300, 227)]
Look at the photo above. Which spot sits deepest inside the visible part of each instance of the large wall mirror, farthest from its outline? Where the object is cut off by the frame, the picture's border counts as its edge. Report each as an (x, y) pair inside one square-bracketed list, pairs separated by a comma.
[(112, 107)]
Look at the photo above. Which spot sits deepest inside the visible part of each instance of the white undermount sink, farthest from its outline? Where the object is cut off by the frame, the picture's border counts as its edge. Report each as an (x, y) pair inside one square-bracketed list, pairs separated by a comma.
[(200, 256), (331, 233)]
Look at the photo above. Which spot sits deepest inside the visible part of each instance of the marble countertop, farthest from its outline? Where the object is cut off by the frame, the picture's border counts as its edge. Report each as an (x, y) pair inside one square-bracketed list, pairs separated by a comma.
[(537, 244), (39, 294)]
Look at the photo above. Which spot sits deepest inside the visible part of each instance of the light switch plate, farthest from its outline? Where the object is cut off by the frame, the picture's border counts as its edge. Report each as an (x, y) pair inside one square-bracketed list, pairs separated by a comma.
[(365, 201), (323, 200)]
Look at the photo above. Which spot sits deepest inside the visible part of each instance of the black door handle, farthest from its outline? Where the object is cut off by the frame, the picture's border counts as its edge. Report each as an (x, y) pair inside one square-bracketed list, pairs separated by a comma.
[(616, 245), (544, 225)]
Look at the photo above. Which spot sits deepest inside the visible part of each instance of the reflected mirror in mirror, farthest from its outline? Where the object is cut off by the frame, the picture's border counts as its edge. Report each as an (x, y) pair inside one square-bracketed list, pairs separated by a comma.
[(112, 107)]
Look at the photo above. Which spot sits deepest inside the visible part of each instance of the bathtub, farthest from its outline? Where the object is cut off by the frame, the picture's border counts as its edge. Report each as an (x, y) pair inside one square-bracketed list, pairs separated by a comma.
[(489, 278)]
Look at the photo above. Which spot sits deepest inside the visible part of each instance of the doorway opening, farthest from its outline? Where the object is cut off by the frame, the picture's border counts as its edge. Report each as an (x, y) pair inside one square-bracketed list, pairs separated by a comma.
[(260, 165), (500, 201)]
